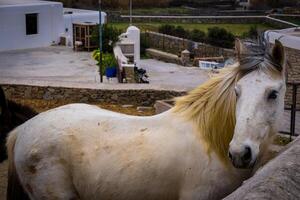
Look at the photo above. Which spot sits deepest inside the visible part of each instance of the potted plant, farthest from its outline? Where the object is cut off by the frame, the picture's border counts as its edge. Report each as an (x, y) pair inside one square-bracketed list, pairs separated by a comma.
[(109, 63)]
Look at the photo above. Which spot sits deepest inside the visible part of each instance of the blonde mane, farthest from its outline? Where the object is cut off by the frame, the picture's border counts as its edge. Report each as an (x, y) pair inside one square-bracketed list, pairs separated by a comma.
[(211, 107)]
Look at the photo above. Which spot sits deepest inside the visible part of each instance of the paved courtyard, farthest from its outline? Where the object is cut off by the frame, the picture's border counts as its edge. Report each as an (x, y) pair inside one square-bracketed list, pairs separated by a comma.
[(61, 66)]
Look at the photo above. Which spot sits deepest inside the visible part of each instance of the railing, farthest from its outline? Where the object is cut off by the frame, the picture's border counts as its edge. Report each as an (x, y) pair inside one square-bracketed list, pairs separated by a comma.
[(293, 109)]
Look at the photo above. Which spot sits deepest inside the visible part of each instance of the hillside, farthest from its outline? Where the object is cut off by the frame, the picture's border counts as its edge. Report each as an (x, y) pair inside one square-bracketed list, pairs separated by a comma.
[(124, 4)]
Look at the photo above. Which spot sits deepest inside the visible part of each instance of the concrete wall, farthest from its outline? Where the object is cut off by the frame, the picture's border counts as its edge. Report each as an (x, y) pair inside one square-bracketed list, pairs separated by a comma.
[(13, 25)]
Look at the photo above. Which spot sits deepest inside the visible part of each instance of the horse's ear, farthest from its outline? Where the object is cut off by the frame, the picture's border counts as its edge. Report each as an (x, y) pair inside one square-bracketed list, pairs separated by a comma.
[(239, 48), (279, 56)]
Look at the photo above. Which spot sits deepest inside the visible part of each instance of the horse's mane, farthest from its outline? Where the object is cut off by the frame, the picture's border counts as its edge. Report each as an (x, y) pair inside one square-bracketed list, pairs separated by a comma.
[(211, 106)]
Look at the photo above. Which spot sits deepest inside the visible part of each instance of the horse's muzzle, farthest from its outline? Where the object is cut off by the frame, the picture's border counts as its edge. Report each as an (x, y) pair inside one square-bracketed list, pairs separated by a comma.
[(242, 158)]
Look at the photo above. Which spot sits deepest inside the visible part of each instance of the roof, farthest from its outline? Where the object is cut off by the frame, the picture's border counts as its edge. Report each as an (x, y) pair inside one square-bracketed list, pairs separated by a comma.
[(7, 3), (79, 11), (288, 37)]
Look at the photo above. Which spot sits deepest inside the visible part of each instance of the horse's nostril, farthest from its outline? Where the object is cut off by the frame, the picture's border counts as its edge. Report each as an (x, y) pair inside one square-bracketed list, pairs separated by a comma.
[(230, 155), (247, 154)]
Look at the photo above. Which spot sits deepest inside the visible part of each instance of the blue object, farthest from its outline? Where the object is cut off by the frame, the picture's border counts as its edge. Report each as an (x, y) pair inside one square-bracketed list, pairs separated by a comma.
[(111, 72)]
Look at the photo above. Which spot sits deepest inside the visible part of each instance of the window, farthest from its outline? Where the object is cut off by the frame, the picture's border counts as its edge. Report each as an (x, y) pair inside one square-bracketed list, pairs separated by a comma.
[(31, 24)]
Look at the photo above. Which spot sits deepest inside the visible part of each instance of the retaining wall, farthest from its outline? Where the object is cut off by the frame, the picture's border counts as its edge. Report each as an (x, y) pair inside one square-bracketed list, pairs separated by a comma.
[(114, 17), (133, 97), (175, 45)]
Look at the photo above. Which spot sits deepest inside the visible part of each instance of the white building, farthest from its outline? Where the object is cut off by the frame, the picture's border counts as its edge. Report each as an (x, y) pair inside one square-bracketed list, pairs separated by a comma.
[(72, 16), (34, 23), (245, 4)]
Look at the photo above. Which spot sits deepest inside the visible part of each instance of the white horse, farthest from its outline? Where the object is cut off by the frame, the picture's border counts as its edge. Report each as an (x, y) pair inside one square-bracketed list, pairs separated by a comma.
[(203, 148)]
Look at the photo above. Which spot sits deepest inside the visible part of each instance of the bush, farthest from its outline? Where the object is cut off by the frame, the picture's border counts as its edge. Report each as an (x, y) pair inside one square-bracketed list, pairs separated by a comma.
[(220, 37), (180, 32), (197, 35), (144, 44), (110, 37), (167, 29), (177, 31)]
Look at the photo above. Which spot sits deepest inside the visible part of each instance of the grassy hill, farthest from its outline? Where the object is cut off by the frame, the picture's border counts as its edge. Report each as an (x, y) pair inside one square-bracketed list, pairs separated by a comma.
[(142, 3)]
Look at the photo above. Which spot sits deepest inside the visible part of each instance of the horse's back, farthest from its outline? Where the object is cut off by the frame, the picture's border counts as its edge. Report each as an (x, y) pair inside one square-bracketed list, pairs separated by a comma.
[(96, 147)]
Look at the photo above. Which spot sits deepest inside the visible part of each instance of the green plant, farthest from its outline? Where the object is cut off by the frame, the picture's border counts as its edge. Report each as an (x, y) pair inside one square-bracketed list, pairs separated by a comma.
[(197, 35), (167, 29), (220, 37), (108, 59), (109, 38), (180, 32), (144, 44), (252, 33), (177, 31)]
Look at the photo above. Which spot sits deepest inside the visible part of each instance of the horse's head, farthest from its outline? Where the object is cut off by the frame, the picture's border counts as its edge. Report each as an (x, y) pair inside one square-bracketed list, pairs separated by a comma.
[(259, 103)]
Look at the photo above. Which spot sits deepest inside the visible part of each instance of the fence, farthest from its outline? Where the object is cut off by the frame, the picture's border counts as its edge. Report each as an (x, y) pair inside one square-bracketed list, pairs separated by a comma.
[(293, 109), (175, 45)]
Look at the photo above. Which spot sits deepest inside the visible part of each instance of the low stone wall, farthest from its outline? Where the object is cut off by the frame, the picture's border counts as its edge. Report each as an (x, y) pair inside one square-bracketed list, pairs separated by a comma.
[(197, 19), (293, 56), (133, 97), (209, 20), (175, 45), (163, 56)]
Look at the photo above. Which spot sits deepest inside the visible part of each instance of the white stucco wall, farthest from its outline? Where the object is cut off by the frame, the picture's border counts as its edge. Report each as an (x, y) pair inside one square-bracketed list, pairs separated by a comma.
[(13, 25), (288, 37)]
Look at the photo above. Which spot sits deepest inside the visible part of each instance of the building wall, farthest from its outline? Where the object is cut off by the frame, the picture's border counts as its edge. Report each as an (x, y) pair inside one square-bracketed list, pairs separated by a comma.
[(13, 26)]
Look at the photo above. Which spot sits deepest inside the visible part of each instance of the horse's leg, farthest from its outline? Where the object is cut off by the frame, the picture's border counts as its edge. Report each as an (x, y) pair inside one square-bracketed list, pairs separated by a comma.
[(49, 179)]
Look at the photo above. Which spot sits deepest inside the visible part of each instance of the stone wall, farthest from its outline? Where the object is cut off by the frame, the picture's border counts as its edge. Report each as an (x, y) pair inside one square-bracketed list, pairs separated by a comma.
[(133, 97), (175, 45), (204, 20), (197, 19), (293, 56)]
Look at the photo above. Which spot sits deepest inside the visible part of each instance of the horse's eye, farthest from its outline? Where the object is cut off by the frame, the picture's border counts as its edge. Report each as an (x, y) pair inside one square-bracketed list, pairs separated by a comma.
[(273, 95)]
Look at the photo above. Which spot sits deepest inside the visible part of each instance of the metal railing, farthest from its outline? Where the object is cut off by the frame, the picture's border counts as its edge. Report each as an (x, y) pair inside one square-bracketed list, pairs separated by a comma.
[(293, 109)]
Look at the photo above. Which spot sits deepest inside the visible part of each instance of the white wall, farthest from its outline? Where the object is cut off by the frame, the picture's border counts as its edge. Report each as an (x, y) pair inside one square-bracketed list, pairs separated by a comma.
[(288, 37), (13, 26)]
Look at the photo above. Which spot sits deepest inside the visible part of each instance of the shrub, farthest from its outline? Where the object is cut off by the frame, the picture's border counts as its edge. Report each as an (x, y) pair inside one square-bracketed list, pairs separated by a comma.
[(197, 35), (177, 31), (109, 38), (180, 32), (167, 29), (144, 44), (220, 37)]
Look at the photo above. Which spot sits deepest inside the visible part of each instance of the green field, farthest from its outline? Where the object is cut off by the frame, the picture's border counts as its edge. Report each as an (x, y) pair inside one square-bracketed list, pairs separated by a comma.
[(236, 29), (158, 11)]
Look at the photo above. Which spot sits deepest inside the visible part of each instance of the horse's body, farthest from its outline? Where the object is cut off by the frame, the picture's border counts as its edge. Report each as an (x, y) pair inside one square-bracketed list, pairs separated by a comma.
[(83, 152), (98, 153)]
